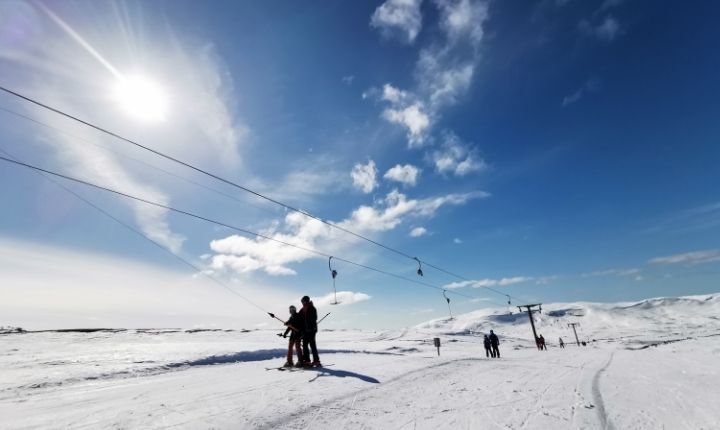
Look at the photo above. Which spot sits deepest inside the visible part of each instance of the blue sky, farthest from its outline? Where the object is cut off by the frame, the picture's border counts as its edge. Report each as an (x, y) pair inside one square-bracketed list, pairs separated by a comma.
[(558, 151)]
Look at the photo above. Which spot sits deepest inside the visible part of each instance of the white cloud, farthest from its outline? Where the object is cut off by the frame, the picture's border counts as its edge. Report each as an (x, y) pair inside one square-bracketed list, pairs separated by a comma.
[(482, 283), (398, 18), (364, 176), (343, 298), (456, 158), (397, 205), (444, 71), (692, 258), (463, 19), (457, 241), (243, 255), (612, 272), (348, 80), (414, 118), (607, 31), (443, 83), (393, 94), (406, 174), (418, 231)]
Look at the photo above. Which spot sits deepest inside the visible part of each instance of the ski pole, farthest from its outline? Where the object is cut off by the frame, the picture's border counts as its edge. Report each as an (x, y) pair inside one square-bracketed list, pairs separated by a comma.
[(272, 315), (323, 317)]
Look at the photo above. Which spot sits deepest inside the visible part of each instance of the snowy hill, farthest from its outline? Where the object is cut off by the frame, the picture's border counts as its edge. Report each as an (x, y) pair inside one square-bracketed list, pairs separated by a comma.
[(652, 364), (657, 316)]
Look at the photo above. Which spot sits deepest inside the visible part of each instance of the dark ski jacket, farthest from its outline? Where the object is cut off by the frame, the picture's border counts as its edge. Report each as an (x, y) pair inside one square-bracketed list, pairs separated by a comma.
[(297, 322), (309, 316), (494, 340)]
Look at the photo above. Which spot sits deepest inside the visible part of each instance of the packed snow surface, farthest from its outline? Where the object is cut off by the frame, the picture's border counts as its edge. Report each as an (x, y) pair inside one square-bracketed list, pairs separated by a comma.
[(647, 365)]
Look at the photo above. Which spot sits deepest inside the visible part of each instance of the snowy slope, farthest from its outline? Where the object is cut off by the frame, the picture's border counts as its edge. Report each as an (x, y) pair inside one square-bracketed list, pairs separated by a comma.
[(653, 364)]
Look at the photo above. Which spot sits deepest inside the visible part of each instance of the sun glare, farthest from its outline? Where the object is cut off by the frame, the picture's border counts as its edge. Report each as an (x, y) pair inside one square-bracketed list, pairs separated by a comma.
[(141, 98)]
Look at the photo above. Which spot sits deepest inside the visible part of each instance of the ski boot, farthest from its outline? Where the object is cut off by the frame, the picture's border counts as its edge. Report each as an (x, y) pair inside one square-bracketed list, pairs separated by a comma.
[(288, 364), (316, 364)]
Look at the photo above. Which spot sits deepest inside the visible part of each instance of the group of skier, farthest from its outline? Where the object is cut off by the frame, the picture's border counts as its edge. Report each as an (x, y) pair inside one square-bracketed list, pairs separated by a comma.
[(491, 344), (540, 343), (302, 326)]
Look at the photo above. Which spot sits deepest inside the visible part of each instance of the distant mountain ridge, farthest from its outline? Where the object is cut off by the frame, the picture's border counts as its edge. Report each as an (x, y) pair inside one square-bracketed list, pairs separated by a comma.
[(661, 316)]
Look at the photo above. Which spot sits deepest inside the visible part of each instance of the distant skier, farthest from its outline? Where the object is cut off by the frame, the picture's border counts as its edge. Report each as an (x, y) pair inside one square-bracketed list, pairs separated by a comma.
[(294, 327), (541, 343), (486, 344), (494, 342), (562, 344), (309, 327)]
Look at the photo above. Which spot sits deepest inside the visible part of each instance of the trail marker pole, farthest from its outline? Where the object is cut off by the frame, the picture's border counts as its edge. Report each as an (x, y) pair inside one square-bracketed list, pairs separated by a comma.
[(437, 344)]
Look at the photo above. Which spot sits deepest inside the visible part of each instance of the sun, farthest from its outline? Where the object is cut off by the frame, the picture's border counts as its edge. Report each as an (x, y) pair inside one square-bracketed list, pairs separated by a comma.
[(141, 98)]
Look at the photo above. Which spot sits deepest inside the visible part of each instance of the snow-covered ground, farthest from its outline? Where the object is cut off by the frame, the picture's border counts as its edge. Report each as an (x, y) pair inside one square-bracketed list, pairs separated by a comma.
[(652, 364)]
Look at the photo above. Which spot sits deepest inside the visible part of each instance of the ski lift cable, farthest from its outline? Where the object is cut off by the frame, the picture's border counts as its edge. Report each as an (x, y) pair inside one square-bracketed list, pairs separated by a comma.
[(128, 157), (228, 182), (146, 164), (142, 235), (222, 224)]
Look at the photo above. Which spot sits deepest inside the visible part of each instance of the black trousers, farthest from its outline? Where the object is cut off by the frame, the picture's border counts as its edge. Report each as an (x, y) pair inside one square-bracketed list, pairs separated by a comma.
[(487, 352), (308, 340), (495, 351)]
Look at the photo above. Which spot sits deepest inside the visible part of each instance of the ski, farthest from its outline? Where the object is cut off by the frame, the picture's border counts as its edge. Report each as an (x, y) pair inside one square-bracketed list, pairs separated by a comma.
[(291, 369)]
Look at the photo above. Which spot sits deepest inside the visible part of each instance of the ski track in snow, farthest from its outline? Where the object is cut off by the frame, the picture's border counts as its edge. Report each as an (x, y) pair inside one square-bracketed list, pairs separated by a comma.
[(597, 396), (654, 365)]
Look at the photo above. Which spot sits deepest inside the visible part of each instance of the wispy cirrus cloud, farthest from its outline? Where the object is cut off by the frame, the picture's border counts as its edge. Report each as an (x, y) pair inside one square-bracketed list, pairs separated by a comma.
[(606, 30), (689, 258), (702, 217), (590, 86), (488, 282), (612, 272), (456, 158)]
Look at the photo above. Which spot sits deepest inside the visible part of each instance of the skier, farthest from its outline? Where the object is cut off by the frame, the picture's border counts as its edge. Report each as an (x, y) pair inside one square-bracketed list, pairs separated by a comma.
[(562, 344), (486, 343), (294, 325), (309, 327), (494, 342)]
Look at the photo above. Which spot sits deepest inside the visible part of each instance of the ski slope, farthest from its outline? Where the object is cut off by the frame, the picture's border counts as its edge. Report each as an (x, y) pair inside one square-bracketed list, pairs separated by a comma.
[(652, 364)]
